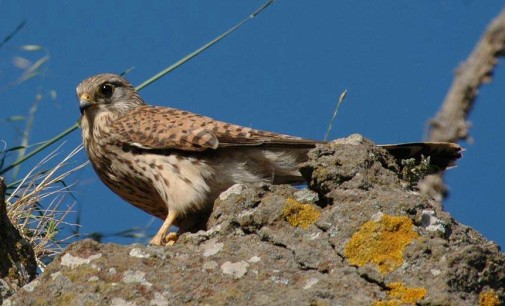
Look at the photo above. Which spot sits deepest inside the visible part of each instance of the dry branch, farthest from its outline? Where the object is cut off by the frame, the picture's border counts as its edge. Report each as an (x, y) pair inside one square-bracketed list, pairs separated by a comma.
[(451, 122)]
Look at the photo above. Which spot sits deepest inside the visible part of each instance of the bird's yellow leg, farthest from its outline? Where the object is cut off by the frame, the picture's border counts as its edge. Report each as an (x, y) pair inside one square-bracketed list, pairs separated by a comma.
[(161, 237)]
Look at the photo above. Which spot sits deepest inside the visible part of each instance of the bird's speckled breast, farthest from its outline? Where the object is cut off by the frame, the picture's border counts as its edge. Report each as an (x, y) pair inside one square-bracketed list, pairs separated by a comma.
[(117, 169)]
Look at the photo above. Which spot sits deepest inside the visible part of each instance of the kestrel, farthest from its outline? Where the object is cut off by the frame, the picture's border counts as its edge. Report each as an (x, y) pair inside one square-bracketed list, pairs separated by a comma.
[(173, 163)]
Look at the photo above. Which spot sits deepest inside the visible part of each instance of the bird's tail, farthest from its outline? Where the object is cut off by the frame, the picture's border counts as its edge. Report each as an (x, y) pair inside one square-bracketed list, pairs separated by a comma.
[(283, 163), (443, 155)]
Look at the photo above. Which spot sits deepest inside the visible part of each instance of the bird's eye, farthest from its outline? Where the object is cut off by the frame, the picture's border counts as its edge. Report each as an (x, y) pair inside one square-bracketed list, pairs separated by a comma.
[(106, 90)]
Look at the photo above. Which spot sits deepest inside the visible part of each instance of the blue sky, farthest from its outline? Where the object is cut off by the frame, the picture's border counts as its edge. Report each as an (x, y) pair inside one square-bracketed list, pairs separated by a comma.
[(282, 72)]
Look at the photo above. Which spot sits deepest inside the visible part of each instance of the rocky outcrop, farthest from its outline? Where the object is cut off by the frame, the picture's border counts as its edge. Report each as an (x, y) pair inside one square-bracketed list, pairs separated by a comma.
[(17, 259), (359, 236)]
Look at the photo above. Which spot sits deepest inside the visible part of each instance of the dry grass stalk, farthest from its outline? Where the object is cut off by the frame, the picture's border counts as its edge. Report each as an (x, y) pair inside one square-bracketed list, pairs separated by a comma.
[(38, 223)]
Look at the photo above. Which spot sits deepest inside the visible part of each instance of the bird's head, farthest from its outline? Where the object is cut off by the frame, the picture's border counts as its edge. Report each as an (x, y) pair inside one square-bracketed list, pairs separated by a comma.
[(107, 92)]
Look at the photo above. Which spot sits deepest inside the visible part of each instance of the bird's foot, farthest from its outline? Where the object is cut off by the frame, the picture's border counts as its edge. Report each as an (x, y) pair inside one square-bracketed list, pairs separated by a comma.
[(167, 240), (157, 240), (170, 239)]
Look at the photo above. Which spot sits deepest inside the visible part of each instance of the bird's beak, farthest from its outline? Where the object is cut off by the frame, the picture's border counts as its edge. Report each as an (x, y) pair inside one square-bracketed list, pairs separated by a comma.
[(85, 102)]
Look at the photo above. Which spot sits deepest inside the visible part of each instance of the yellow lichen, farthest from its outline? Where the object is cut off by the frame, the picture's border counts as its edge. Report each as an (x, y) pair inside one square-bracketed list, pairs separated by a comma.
[(381, 242), (299, 214), (387, 303), (399, 294), (405, 294), (488, 298)]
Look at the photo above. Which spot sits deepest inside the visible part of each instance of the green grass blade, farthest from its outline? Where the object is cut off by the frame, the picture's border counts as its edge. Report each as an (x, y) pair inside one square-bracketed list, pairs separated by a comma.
[(40, 148), (11, 35), (26, 134)]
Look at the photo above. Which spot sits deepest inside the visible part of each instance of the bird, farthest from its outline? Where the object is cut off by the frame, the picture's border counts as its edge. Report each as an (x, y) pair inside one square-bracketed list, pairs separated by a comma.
[(173, 163)]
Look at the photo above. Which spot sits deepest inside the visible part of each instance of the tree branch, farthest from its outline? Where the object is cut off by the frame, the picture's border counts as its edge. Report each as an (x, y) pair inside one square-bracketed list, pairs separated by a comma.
[(450, 123)]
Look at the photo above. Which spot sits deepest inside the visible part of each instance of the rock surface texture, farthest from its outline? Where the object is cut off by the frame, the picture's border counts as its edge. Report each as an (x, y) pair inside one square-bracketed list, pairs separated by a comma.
[(17, 260), (359, 236)]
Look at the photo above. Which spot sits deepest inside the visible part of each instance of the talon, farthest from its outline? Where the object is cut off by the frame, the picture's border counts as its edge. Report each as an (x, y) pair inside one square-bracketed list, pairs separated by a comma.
[(170, 239), (162, 238)]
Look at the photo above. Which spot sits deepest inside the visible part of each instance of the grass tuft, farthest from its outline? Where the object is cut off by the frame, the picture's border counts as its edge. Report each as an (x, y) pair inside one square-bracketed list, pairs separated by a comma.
[(40, 224)]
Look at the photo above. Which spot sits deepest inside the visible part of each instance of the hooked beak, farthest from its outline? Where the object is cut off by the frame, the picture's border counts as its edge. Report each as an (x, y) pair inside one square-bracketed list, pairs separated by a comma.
[(85, 102)]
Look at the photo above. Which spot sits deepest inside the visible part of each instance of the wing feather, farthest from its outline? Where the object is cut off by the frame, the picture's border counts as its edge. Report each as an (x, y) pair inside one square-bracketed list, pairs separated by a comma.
[(150, 127)]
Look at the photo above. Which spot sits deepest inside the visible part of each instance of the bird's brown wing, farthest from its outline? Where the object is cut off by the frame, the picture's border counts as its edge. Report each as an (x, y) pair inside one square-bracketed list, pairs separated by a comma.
[(149, 127), (162, 128)]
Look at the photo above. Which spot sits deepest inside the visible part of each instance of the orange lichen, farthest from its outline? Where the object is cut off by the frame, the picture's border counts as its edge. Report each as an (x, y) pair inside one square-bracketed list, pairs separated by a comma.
[(381, 242), (405, 294), (299, 214), (488, 298), (400, 294), (387, 303)]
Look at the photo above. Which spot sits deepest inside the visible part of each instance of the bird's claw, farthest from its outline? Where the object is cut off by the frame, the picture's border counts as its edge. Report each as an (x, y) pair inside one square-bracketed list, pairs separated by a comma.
[(168, 240)]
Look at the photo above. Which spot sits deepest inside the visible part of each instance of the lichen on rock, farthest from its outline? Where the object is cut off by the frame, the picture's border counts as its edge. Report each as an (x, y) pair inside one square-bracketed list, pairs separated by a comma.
[(300, 214), (381, 242)]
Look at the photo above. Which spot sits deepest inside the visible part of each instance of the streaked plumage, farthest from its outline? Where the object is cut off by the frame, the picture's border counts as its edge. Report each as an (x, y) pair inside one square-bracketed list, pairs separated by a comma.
[(171, 163)]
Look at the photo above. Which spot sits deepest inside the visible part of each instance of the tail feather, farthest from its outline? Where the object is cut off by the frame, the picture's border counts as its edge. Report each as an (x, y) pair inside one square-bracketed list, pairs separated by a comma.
[(442, 154)]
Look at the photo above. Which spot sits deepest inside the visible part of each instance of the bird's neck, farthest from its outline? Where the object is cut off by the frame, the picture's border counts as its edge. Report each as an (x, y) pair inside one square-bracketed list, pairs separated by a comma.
[(96, 126)]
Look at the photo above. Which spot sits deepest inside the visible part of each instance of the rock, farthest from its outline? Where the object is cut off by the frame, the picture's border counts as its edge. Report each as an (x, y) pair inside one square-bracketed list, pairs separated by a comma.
[(365, 238), (17, 259)]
